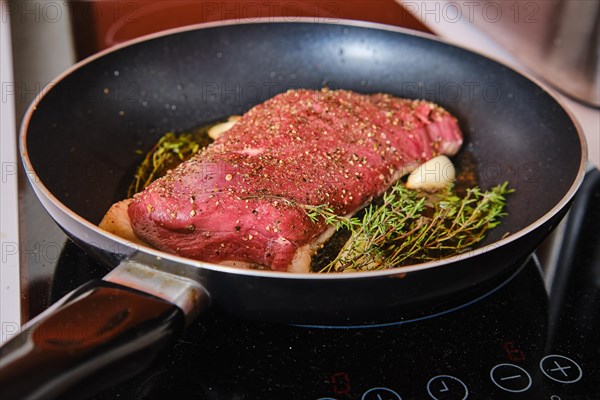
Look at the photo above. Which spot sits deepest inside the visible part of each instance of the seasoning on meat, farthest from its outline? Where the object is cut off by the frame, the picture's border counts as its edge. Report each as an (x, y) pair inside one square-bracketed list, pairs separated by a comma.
[(239, 201)]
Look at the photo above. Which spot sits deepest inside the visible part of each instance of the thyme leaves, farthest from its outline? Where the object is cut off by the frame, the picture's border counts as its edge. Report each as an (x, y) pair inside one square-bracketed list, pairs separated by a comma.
[(409, 227), (170, 150)]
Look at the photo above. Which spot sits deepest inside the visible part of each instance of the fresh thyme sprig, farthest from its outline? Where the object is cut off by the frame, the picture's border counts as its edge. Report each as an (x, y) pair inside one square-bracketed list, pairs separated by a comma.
[(410, 226), (167, 153)]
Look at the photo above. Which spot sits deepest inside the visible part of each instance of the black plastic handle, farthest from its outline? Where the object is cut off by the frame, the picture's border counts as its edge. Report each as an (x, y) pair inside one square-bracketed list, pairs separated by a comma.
[(100, 331)]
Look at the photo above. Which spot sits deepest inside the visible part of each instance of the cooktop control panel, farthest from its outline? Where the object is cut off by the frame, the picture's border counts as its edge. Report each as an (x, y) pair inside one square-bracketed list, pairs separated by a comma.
[(508, 379)]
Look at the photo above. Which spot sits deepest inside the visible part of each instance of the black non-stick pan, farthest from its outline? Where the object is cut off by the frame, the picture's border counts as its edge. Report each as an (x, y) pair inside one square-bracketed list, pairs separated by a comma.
[(81, 140)]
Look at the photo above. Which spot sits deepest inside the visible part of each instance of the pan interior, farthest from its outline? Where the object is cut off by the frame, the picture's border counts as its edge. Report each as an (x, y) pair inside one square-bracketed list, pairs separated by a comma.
[(85, 137)]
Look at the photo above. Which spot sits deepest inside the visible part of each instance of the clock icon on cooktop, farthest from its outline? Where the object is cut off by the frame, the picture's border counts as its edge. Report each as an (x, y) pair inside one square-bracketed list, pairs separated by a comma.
[(447, 387)]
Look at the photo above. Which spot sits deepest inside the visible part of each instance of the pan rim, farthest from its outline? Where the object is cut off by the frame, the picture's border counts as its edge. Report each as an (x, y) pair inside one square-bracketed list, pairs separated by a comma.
[(394, 272)]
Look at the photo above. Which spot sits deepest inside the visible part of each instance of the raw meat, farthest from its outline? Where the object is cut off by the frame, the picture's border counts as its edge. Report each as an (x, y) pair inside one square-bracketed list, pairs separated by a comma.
[(239, 201)]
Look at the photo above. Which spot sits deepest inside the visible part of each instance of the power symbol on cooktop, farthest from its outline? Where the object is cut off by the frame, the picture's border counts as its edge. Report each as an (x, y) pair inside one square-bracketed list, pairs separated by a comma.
[(447, 387), (511, 378), (561, 369)]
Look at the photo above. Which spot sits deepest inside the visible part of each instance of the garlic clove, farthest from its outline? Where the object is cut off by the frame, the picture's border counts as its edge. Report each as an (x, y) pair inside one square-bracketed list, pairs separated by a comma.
[(433, 175), (217, 130)]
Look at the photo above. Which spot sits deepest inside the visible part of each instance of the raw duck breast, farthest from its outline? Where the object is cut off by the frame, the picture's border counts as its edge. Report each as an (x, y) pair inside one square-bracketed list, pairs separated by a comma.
[(241, 200)]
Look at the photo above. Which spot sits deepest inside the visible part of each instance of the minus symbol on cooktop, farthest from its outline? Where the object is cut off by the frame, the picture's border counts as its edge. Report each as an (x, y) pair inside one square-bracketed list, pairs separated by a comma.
[(506, 378)]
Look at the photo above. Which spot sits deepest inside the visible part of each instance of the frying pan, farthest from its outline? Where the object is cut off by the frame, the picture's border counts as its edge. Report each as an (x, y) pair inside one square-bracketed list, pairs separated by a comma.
[(80, 142)]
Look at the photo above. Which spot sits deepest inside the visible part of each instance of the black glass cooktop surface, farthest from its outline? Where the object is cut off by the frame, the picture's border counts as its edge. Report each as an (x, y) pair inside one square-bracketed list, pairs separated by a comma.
[(530, 336)]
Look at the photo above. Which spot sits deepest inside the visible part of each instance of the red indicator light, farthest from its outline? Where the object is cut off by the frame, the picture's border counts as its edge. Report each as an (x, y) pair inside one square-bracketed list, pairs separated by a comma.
[(513, 353), (340, 383)]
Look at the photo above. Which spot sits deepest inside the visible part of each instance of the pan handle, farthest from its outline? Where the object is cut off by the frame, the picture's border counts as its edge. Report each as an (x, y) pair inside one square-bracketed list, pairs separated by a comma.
[(102, 330)]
